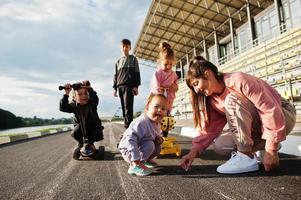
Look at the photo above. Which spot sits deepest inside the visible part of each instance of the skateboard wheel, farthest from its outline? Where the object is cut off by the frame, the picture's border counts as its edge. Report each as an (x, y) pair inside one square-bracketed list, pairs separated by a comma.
[(76, 153)]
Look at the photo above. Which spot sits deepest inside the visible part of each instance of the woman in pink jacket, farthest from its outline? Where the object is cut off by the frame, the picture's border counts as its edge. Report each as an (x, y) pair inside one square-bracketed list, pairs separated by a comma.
[(256, 114)]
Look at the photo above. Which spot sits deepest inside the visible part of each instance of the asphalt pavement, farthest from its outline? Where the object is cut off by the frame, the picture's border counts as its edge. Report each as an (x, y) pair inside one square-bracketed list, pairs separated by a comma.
[(43, 168)]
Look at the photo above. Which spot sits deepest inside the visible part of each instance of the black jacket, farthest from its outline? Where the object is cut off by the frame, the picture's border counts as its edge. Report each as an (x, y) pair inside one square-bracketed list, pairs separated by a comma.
[(83, 114), (127, 72)]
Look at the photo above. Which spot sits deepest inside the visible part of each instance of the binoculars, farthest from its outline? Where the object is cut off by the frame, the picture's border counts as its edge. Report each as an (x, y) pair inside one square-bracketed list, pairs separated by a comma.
[(75, 86)]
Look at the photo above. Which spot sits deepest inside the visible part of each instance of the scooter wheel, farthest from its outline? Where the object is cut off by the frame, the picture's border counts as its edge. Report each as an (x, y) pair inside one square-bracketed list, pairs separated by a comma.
[(101, 152), (76, 153)]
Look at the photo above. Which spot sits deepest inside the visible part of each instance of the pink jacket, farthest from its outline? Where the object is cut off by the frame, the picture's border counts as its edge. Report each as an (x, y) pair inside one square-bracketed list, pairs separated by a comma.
[(264, 97), (162, 79)]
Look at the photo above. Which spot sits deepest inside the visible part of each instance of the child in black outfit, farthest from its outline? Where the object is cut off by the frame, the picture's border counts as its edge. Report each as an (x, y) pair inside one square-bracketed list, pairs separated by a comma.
[(87, 124)]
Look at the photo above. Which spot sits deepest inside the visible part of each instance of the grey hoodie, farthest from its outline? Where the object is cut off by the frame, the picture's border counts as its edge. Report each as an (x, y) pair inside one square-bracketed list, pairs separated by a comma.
[(140, 130)]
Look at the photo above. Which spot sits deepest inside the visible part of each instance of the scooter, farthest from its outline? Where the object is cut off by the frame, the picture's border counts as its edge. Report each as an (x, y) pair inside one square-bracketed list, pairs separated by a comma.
[(89, 152), (169, 145)]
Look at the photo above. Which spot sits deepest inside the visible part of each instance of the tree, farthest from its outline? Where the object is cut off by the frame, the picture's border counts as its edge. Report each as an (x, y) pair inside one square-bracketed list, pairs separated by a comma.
[(9, 120)]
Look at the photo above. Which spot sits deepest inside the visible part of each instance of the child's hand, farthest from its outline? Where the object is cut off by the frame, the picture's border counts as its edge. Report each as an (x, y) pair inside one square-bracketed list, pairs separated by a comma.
[(67, 88), (174, 87), (86, 84), (160, 90), (158, 140)]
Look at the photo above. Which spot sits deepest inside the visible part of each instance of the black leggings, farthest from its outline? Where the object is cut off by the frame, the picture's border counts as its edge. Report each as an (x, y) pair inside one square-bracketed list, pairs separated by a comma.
[(93, 136)]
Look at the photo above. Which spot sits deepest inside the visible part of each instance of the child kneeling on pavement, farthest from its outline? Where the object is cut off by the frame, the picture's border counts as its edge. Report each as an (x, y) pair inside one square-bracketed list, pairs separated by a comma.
[(87, 124), (141, 142)]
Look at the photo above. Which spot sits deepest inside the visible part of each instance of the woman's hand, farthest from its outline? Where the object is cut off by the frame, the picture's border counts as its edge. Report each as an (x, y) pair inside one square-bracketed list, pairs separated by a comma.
[(270, 160), (188, 159)]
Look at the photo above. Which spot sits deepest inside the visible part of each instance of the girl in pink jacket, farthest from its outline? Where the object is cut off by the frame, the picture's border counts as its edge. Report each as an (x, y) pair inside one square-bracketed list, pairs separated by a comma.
[(165, 80), (256, 114)]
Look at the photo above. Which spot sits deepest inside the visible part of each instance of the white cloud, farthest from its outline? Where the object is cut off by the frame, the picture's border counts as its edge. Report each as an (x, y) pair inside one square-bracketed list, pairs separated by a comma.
[(34, 11), (56, 10), (47, 43)]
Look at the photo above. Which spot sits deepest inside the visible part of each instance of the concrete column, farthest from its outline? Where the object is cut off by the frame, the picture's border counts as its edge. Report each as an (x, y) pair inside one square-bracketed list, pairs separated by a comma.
[(194, 51), (205, 50), (251, 23), (232, 34), (280, 15), (187, 59), (216, 46), (182, 70)]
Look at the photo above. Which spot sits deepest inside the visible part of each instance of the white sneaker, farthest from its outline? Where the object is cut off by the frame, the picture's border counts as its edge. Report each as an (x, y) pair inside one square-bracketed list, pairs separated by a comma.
[(238, 163)]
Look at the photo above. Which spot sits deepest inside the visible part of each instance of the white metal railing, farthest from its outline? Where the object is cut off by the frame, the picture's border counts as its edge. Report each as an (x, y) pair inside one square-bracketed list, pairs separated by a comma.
[(261, 44), (272, 55), (251, 44)]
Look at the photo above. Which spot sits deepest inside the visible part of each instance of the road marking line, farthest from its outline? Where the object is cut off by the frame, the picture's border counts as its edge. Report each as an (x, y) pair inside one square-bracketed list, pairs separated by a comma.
[(131, 184), (52, 188), (223, 195), (112, 140)]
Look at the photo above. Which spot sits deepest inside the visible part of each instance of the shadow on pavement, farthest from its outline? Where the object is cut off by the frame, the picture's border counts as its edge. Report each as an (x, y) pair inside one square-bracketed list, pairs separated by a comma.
[(288, 167), (206, 155), (108, 156)]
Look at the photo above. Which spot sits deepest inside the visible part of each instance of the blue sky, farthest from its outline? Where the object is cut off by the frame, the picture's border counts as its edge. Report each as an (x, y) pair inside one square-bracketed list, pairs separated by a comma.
[(45, 43)]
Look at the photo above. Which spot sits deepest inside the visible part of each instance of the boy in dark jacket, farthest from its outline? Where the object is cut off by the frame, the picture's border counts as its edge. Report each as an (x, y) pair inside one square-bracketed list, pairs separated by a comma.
[(87, 125), (126, 81)]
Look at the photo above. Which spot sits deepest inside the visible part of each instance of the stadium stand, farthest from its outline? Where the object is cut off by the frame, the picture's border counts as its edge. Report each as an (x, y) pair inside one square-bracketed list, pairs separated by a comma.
[(259, 37)]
